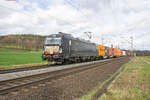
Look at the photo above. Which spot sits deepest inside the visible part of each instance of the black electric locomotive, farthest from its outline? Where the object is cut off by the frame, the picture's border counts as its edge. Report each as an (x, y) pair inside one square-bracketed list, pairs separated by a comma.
[(63, 47)]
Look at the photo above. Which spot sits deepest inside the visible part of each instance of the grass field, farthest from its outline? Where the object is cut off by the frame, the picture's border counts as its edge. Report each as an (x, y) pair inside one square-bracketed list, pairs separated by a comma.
[(133, 83), (11, 57)]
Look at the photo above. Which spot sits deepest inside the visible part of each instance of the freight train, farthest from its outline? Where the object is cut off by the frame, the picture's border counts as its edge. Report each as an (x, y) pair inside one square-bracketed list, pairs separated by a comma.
[(64, 48)]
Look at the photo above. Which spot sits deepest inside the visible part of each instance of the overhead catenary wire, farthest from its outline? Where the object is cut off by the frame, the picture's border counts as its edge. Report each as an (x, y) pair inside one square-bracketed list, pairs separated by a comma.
[(75, 7), (83, 14), (78, 9)]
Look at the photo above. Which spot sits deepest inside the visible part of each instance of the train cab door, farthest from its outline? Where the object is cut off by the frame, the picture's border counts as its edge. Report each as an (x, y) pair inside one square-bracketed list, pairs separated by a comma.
[(66, 43)]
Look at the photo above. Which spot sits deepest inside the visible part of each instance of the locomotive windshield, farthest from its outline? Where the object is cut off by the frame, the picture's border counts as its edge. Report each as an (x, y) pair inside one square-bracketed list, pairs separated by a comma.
[(53, 41)]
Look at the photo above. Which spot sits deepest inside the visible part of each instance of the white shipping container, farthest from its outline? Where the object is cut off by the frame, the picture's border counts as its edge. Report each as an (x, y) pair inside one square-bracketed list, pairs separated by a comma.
[(124, 53)]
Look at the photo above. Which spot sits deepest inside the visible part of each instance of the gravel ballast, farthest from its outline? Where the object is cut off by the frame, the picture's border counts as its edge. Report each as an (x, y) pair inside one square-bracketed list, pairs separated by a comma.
[(69, 87)]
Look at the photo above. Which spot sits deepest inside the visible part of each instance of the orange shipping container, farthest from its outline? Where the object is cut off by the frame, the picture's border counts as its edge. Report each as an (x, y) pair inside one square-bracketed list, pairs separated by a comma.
[(119, 52), (101, 50), (115, 51)]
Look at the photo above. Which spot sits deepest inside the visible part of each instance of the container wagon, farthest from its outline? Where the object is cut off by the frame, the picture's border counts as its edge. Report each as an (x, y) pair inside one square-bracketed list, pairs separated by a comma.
[(101, 51)]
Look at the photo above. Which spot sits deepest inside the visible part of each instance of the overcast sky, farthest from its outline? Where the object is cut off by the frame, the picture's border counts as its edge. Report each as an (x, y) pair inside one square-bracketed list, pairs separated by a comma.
[(114, 20)]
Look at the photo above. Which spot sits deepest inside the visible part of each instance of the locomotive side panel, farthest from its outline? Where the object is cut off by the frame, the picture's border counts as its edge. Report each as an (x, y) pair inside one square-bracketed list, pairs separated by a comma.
[(80, 48), (65, 48)]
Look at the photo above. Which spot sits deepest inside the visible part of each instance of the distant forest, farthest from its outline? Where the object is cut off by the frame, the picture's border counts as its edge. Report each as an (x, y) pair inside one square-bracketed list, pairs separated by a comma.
[(25, 42), (35, 43), (142, 53)]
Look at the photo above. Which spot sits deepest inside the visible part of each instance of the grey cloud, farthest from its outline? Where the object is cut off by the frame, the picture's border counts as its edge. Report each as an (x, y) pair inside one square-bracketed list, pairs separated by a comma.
[(112, 18)]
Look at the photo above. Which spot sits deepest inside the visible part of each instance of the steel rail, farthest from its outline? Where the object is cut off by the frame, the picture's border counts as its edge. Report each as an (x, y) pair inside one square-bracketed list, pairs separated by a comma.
[(15, 84), (11, 70)]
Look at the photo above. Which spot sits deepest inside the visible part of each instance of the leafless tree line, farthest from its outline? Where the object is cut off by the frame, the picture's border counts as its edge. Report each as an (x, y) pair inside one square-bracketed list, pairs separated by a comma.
[(26, 42), (142, 53)]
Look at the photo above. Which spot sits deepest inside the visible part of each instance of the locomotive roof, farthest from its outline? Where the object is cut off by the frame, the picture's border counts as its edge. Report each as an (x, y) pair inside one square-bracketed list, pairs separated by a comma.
[(60, 35), (68, 36)]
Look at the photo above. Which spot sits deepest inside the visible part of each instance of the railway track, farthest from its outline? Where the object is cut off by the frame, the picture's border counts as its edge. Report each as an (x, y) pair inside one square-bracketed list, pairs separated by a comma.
[(16, 84), (4, 71)]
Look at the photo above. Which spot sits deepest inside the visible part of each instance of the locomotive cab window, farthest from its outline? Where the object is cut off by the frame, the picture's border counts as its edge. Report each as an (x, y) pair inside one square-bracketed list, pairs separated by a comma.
[(53, 41)]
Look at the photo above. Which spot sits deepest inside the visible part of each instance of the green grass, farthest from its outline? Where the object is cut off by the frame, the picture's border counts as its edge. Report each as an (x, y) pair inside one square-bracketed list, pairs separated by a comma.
[(9, 57), (133, 83)]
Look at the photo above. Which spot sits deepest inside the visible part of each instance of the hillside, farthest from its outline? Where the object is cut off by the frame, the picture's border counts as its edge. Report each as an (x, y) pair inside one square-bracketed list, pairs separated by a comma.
[(24, 41)]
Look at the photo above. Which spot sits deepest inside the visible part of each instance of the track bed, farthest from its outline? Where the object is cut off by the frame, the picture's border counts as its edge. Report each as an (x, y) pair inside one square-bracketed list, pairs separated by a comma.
[(66, 84), (11, 70)]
